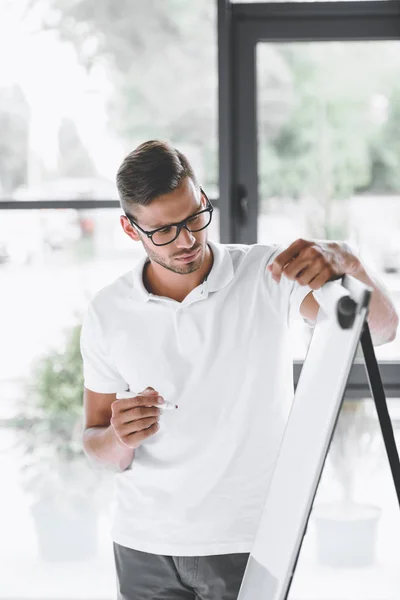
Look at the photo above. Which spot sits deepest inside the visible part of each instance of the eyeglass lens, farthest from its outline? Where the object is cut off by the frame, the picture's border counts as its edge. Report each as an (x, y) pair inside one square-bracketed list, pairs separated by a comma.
[(168, 234)]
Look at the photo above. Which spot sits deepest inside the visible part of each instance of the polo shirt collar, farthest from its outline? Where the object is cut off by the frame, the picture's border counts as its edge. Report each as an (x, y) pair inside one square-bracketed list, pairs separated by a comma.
[(221, 273)]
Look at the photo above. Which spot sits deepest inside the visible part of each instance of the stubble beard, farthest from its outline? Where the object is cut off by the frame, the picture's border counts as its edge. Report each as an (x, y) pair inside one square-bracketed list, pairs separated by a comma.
[(174, 266)]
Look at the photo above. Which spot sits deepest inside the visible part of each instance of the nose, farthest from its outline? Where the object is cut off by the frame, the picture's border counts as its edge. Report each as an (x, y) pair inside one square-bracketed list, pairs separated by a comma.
[(185, 239)]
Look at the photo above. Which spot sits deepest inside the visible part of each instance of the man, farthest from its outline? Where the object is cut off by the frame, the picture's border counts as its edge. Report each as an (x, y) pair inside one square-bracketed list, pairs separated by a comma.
[(204, 326)]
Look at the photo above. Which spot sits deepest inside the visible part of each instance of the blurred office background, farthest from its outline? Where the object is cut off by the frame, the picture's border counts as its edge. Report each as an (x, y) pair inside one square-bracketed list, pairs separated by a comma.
[(290, 115)]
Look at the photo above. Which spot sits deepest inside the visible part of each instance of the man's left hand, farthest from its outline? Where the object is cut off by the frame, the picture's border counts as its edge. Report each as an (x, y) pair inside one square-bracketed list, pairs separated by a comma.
[(313, 263)]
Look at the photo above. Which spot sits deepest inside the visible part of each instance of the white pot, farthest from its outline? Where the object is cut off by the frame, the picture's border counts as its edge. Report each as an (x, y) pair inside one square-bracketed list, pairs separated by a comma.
[(65, 535), (346, 534)]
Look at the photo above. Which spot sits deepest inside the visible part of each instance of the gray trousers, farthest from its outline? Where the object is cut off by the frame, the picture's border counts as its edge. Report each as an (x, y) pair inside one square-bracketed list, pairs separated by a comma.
[(143, 576)]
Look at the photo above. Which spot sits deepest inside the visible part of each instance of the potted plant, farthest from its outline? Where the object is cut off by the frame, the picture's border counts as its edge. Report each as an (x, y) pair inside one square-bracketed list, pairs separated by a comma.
[(64, 489), (347, 529)]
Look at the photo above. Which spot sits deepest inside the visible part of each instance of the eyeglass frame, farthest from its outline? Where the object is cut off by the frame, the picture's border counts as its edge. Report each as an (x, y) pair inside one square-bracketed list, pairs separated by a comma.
[(181, 225)]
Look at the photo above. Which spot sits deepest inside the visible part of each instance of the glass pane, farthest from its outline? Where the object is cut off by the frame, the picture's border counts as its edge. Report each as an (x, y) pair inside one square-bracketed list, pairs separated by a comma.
[(329, 154), (50, 267), (70, 104), (351, 549)]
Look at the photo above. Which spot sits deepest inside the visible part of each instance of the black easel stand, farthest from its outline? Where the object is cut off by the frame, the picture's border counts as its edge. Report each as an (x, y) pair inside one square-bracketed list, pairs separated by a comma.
[(378, 394), (267, 577)]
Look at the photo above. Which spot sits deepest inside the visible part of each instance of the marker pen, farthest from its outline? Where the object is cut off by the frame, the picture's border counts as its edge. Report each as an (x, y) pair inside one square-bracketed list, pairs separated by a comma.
[(165, 405)]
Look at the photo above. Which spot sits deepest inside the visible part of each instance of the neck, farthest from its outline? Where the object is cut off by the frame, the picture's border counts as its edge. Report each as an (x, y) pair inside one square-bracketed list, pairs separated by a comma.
[(161, 282)]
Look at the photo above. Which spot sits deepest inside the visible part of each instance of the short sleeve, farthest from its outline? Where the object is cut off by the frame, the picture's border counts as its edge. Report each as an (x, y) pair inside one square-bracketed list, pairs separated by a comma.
[(287, 295), (297, 294), (100, 374)]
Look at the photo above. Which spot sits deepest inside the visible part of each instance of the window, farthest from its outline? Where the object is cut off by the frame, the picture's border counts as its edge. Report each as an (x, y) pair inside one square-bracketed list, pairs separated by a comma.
[(328, 152), (82, 86)]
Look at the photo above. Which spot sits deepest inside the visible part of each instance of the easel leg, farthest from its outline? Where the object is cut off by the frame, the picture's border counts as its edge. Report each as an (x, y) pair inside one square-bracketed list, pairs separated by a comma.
[(378, 394)]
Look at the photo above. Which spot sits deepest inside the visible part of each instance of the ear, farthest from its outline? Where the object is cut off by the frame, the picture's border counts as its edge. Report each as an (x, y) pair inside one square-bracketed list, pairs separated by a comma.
[(129, 229)]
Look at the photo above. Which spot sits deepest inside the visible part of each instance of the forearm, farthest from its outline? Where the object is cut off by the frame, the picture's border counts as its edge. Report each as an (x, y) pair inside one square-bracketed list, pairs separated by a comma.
[(383, 319), (105, 450)]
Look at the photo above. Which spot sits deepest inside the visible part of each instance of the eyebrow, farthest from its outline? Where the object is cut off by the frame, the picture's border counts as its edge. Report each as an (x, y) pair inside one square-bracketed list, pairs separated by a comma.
[(169, 224)]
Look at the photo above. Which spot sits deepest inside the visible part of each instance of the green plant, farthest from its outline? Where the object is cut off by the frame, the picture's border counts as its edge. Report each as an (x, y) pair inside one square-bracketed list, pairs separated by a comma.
[(49, 427)]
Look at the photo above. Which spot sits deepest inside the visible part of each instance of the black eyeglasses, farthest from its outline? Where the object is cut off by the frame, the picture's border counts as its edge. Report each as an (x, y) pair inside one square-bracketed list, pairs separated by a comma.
[(168, 234)]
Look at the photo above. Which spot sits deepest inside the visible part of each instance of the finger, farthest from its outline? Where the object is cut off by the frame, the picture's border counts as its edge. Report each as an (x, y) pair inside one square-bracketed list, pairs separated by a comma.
[(311, 271), (134, 440), (140, 400), (148, 390), (286, 256), (135, 414), (145, 433), (295, 267), (320, 279), (135, 426)]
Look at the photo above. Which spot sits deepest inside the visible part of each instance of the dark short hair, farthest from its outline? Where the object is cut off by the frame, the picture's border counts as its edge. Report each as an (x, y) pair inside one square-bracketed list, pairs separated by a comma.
[(154, 168)]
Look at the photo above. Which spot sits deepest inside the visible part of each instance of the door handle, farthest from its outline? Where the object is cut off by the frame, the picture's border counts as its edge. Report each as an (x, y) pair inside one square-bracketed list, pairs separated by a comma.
[(242, 204)]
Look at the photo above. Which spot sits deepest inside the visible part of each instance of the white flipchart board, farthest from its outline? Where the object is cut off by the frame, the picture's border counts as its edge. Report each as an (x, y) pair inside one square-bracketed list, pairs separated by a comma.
[(306, 441)]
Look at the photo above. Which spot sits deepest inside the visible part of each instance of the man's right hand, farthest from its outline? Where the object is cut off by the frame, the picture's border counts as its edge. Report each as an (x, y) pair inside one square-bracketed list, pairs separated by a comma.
[(133, 420)]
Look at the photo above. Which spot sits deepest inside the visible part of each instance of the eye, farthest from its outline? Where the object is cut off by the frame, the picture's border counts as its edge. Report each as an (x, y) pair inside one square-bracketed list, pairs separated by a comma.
[(194, 219), (165, 230)]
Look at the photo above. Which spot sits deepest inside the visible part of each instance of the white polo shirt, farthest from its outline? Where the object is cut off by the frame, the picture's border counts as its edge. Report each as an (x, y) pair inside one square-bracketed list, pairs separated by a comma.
[(197, 486)]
